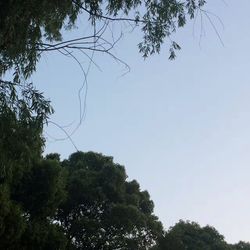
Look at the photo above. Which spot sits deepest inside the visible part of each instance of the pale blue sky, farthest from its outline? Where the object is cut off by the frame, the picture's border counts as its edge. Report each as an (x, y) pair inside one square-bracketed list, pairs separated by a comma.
[(181, 128)]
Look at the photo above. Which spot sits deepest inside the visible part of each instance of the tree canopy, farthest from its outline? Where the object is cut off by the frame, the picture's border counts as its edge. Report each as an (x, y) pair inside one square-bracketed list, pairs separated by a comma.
[(191, 236), (28, 28), (84, 202), (103, 210)]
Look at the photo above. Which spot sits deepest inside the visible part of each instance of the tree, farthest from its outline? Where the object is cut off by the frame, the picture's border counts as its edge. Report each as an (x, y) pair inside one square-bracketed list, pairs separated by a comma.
[(84, 202), (29, 28), (241, 246), (190, 236), (186, 235), (103, 210)]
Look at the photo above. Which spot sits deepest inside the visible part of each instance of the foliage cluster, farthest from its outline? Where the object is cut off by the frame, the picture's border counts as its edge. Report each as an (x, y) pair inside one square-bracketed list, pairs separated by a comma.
[(30, 27), (191, 236)]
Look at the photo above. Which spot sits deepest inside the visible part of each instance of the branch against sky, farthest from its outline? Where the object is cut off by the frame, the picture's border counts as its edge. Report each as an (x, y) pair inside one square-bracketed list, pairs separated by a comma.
[(29, 28)]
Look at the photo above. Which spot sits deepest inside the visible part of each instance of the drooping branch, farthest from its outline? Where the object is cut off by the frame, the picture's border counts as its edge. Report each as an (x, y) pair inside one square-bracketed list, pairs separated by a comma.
[(99, 16)]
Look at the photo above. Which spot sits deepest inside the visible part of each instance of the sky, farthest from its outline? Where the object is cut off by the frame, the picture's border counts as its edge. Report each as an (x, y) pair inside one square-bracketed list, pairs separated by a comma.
[(181, 128)]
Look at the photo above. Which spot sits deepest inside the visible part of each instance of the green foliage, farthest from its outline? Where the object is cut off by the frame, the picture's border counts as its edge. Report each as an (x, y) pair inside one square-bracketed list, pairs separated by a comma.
[(41, 235), (12, 223), (84, 202), (191, 236), (29, 205), (241, 246), (27, 26), (23, 25), (47, 181), (23, 112), (103, 210)]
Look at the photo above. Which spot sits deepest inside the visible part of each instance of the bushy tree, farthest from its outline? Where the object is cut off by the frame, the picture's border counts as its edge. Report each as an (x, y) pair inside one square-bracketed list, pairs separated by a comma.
[(191, 236), (84, 202), (104, 210)]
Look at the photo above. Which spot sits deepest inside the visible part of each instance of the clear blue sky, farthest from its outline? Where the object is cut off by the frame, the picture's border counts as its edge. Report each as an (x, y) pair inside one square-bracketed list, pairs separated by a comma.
[(181, 128)]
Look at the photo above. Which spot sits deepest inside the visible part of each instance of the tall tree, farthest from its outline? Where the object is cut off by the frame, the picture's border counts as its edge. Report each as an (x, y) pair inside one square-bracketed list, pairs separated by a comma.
[(104, 210), (84, 202)]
